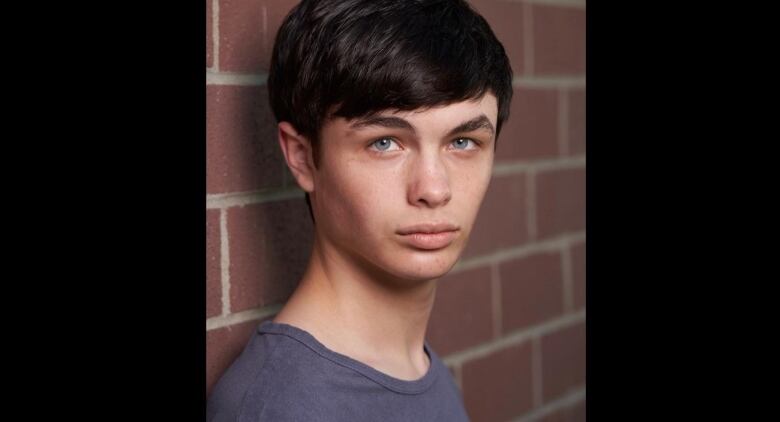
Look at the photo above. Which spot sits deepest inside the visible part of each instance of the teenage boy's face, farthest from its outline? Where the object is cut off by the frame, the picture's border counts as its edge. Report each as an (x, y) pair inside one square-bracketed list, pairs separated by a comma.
[(384, 181)]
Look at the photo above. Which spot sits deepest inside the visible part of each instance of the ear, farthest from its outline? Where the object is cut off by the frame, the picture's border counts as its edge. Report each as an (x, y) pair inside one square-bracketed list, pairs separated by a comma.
[(298, 154)]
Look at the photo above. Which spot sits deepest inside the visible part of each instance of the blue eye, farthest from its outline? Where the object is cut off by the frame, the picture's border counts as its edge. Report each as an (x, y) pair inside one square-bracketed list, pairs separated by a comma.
[(461, 143), (382, 144)]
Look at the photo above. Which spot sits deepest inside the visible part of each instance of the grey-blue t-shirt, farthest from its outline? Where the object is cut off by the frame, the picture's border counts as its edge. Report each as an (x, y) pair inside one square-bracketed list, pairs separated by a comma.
[(285, 374)]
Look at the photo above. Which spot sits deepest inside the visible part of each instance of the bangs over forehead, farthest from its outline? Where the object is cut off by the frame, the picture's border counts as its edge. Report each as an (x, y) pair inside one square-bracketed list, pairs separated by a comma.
[(355, 58)]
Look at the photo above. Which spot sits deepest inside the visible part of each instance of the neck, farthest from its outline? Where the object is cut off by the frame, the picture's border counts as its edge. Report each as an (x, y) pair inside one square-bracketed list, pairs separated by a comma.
[(371, 317)]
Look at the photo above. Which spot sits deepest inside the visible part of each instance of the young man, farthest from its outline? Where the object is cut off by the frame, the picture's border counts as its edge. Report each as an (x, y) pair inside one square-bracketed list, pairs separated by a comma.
[(388, 113)]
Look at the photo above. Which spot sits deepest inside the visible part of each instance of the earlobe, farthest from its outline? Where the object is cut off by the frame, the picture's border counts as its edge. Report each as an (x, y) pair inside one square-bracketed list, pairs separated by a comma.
[(298, 155)]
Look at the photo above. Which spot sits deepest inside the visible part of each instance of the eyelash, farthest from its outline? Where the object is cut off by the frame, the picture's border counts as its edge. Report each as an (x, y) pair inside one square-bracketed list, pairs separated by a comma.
[(473, 141)]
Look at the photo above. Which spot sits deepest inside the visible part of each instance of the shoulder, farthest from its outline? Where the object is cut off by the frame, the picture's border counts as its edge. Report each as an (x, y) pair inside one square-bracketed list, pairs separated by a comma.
[(243, 377), (293, 374), (272, 370)]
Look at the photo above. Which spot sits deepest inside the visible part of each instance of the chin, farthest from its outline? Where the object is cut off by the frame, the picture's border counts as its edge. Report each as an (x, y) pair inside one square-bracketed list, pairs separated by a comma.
[(426, 265)]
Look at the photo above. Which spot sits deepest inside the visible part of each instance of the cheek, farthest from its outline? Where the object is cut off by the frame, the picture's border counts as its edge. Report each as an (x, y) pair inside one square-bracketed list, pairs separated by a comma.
[(472, 182), (377, 185), (354, 197)]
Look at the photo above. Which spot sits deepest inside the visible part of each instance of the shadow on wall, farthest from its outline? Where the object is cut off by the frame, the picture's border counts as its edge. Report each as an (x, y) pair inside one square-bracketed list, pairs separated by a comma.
[(284, 230), (269, 241)]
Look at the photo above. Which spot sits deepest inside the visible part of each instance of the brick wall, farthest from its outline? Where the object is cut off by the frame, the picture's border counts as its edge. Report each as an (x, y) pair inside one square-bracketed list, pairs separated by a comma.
[(509, 320)]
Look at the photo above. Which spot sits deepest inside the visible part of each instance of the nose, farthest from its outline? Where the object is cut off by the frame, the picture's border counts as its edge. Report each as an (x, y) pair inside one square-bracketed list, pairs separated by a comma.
[(429, 184)]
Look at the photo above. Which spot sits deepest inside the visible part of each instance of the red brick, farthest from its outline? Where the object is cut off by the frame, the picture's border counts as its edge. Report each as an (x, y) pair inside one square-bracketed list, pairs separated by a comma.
[(578, 274), (223, 345), (502, 219), (531, 131), (560, 415), (531, 290), (560, 202), (213, 268), (576, 412), (576, 122), (209, 38), (270, 245), (247, 29), (498, 387), (242, 152), (563, 362), (506, 21), (559, 40), (461, 315), (573, 413)]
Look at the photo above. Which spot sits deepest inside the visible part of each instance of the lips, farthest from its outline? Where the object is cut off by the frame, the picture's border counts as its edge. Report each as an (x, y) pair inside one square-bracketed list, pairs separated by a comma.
[(429, 236), (428, 228)]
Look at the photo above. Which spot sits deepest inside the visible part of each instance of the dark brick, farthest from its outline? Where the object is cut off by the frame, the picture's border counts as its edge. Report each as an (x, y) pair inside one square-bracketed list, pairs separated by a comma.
[(578, 274), (209, 37), (560, 202), (242, 152), (502, 219), (573, 413), (559, 40), (531, 132), (247, 29), (531, 290), (270, 245), (563, 362), (213, 267), (461, 316), (498, 387), (506, 21), (577, 122)]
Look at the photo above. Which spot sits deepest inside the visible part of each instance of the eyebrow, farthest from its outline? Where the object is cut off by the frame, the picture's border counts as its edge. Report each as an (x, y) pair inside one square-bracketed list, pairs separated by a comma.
[(479, 122)]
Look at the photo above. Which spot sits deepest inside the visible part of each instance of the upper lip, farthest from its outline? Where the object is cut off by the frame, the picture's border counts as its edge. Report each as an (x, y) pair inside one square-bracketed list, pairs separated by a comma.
[(428, 228)]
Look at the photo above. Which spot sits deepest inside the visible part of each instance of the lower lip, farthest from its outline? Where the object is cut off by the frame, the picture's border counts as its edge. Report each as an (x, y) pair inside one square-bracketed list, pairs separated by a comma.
[(429, 241)]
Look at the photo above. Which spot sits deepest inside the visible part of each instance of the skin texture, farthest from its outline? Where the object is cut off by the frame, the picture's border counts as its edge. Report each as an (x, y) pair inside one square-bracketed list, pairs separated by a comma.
[(368, 291)]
